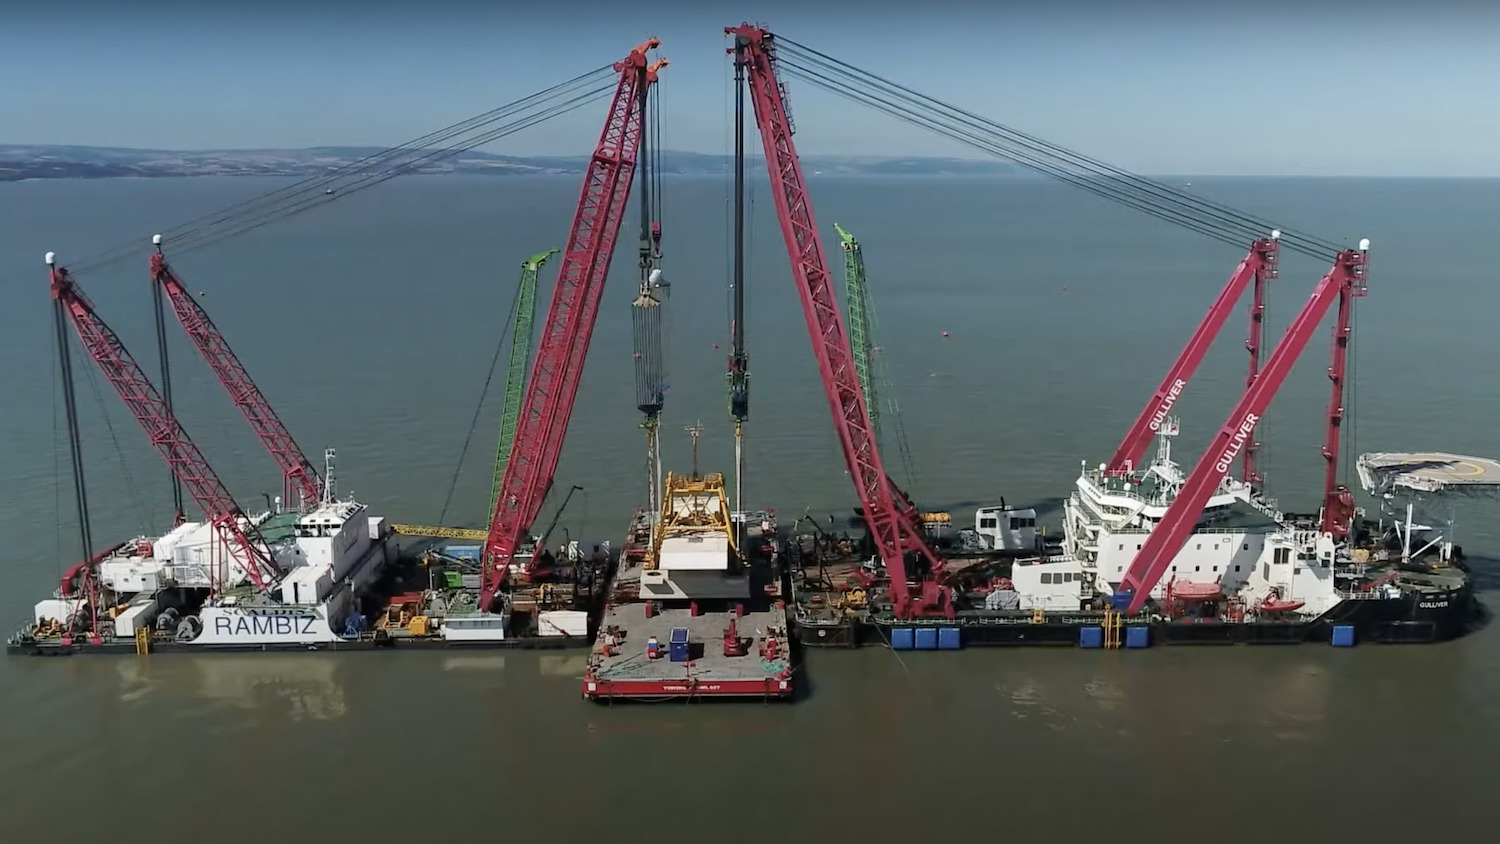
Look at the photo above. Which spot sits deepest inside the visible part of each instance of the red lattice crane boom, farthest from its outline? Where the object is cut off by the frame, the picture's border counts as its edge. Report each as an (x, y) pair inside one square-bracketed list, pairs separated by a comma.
[(892, 526), (1343, 282), (553, 384), (162, 428), (1259, 263), (298, 475)]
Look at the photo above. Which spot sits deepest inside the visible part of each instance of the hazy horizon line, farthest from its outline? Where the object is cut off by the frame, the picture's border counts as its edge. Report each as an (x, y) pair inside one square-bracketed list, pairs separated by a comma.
[(1022, 169)]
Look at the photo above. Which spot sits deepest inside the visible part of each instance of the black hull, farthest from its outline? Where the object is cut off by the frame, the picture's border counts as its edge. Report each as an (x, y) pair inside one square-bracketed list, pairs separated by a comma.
[(823, 635), (1412, 618)]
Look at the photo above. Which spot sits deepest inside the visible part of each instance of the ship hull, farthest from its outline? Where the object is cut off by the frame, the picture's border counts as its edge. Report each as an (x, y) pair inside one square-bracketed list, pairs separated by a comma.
[(1410, 618)]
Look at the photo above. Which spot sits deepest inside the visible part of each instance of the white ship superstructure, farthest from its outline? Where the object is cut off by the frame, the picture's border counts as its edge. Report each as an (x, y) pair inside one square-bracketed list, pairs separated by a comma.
[(1242, 549), (188, 582)]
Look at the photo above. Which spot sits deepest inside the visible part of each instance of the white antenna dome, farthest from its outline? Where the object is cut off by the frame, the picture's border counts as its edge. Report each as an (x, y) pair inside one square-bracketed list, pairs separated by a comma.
[(155, 240), (1275, 234), (1364, 245), (51, 258)]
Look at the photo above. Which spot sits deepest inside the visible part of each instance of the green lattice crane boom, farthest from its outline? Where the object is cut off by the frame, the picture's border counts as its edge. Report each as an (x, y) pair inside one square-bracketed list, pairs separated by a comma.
[(861, 328), (874, 381), (520, 356)]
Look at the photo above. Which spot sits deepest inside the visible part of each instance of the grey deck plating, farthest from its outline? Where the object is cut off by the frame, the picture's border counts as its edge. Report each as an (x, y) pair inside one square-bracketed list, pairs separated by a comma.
[(707, 662)]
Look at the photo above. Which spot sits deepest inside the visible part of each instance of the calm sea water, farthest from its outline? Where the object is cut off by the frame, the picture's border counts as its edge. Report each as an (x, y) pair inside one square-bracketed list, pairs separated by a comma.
[(371, 324)]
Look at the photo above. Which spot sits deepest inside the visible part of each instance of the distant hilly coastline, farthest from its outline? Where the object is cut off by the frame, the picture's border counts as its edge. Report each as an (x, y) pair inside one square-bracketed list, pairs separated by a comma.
[(19, 162)]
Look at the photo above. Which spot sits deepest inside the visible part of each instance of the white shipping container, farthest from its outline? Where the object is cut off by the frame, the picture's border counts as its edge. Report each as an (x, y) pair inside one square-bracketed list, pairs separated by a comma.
[(563, 623), (135, 616)]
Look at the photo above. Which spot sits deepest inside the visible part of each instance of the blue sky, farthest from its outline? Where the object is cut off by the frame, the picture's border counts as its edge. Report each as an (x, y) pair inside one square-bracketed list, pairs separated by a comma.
[(1165, 87)]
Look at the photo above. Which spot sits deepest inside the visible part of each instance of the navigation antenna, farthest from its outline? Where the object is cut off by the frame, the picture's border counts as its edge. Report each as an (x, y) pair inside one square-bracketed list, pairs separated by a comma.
[(695, 430), (328, 480)]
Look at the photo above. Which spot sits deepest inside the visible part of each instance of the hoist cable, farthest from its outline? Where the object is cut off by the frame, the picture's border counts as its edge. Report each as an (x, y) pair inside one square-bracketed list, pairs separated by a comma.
[(1194, 212), (381, 161)]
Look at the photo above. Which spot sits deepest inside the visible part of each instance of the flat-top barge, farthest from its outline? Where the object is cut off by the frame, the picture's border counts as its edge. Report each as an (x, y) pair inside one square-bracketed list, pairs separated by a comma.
[(694, 610)]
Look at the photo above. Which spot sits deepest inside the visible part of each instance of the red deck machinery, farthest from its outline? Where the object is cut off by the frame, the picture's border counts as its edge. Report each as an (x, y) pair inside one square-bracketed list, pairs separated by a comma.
[(553, 384), (1342, 283), (916, 572)]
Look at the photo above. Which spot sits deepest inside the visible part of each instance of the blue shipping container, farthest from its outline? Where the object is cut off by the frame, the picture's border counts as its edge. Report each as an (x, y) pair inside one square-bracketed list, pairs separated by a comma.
[(1091, 637), (1138, 636), (950, 638), (902, 639), (678, 645), (463, 552), (1343, 636), (1121, 600), (926, 638)]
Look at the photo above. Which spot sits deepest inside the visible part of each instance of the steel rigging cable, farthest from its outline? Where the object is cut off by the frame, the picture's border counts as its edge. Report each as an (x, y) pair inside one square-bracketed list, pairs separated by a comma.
[(858, 76), (521, 114), (212, 236), (1033, 162), (1204, 216)]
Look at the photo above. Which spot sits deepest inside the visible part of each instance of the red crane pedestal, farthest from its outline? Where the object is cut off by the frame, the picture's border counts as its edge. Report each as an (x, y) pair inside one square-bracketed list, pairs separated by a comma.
[(733, 644)]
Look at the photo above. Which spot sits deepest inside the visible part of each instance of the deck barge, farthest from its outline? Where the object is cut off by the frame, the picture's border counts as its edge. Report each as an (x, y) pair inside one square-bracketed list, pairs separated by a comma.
[(693, 613)]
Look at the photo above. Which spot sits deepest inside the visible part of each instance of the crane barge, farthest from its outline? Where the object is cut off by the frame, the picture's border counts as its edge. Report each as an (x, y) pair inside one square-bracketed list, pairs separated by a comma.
[(313, 571), (1262, 575), (696, 606), (702, 579)]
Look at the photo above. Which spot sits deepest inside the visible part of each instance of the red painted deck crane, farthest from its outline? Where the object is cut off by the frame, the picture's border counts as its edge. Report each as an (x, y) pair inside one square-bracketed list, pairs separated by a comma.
[(1343, 282), (233, 528), (1259, 266), (892, 522), (298, 475), (553, 384)]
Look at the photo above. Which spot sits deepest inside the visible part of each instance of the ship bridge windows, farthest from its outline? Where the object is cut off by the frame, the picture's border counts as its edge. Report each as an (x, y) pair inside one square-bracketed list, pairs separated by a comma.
[(1018, 522), (988, 522)]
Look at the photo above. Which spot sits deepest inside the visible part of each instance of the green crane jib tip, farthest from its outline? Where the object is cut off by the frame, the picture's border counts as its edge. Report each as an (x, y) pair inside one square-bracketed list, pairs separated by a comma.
[(849, 242), (535, 262)]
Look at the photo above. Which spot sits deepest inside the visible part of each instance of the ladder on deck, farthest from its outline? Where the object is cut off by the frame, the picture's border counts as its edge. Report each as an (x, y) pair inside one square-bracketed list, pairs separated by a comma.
[(1114, 624)]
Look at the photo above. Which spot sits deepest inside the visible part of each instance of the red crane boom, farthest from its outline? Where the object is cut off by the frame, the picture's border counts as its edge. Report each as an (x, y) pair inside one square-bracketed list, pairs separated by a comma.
[(1345, 280), (1259, 262), (163, 429), (553, 384), (891, 524), (298, 474)]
